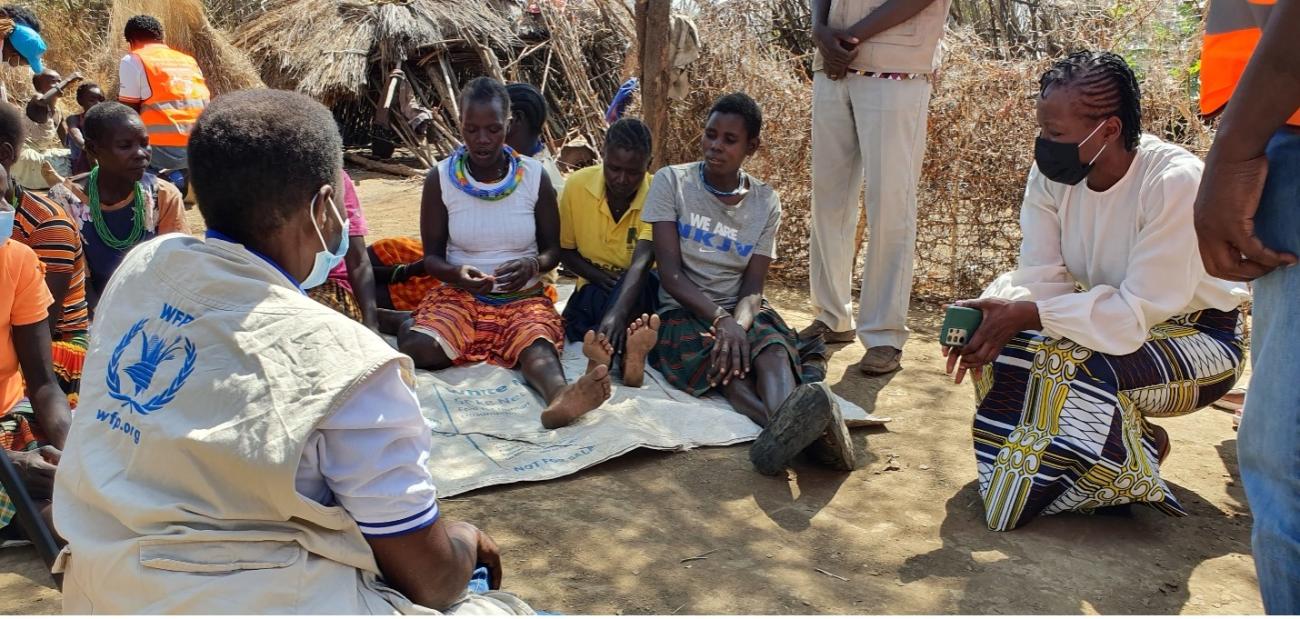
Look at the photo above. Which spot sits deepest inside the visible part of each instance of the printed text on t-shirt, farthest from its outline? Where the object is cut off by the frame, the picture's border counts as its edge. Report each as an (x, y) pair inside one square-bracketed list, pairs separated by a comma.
[(721, 238)]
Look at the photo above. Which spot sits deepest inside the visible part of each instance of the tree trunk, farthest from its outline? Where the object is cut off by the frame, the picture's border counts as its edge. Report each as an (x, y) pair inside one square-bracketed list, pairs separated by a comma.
[(653, 23)]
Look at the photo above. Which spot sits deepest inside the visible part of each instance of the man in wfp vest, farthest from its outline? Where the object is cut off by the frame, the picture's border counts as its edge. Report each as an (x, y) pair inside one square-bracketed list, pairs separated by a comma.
[(242, 449), (166, 87), (1248, 222), (871, 92)]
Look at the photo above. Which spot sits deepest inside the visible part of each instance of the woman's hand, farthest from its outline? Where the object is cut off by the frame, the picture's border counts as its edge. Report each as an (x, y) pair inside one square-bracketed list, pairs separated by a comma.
[(473, 280), (37, 468), (730, 354), (515, 274), (1002, 320), (614, 328)]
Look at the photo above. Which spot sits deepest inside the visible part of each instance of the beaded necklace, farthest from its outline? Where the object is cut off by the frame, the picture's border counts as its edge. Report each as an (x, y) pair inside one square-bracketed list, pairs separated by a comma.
[(458, 173), (741, 189), (97, 215)]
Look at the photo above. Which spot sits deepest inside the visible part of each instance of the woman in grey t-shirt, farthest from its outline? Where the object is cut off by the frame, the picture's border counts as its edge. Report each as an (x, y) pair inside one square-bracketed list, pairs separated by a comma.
[(714, 231)]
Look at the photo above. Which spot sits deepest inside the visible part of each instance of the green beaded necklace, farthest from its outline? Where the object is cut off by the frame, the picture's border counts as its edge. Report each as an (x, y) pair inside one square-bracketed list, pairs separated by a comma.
[(101, 226)]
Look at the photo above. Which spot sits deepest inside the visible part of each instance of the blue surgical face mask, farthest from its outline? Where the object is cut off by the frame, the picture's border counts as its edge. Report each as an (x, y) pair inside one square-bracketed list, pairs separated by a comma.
[(6, 223), (325, 259)]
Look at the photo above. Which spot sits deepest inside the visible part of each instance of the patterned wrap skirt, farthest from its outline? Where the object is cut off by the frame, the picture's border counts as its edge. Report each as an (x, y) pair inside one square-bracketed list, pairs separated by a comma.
[(69, 354), (495, 329), (1062, 428), (408, 295), (682, 353), (18, 432), (333, 295)]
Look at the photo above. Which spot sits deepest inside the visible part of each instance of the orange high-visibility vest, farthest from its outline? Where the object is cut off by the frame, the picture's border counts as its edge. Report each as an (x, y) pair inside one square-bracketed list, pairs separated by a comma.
[(1232, 31), (177, 94)]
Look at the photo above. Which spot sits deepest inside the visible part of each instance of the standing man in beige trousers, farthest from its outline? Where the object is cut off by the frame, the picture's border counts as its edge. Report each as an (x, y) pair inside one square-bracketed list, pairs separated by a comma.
[(871, 91)]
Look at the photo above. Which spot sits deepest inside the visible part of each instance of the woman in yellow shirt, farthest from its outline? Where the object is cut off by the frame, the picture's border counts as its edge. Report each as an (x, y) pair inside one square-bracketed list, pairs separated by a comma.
[(612, 312)]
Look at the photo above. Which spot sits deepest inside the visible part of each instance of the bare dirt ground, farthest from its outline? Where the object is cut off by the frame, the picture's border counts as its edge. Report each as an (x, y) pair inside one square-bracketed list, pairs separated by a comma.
[(700, 532)]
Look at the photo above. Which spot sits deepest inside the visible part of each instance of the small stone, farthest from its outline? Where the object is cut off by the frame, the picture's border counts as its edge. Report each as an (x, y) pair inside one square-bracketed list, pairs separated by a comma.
[(924, 467), (769, 555), (805, 602), (893, 467)]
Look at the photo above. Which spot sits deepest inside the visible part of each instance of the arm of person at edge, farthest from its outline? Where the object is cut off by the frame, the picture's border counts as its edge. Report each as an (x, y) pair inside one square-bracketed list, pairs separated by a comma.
[(574, 261), (730, 354), (1235, 170), (515, 274), (33, 345), (58, 284), (614, 324), (432, 566), (77, 137), (838, 47), (362, 278), (433, 231)]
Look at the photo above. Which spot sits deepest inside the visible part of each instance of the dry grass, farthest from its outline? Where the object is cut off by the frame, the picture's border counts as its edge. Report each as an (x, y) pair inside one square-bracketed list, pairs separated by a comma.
[(86, 36)]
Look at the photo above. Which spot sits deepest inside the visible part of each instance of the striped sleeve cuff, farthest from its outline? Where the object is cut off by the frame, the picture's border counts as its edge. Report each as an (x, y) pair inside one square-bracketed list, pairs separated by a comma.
[(414, 522)]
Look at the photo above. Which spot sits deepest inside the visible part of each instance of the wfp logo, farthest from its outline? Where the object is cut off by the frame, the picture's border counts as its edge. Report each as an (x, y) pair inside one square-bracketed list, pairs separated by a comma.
[(154, 353)]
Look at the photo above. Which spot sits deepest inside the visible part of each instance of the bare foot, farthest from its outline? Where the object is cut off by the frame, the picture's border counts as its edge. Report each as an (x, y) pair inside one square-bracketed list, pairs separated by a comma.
[(578, 399), (597, 349), (641, 337)]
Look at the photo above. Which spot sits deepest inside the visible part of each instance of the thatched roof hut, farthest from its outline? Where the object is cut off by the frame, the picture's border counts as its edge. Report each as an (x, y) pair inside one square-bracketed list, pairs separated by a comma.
[(327, 48), (340, 52)]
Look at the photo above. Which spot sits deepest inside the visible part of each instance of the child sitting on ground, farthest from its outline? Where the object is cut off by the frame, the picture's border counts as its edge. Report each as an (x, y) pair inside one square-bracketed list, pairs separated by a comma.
[(601, 235), (119, 204), (714, 232)]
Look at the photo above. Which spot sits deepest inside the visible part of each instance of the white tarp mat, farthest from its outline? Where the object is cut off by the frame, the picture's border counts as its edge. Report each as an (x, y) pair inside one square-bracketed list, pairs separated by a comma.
[(487, 428), (487, 423)]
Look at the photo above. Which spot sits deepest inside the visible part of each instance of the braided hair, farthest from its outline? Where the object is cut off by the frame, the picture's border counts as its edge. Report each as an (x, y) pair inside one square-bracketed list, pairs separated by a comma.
[(528, 104), (1106, 87), (484, 90), (628, 134)]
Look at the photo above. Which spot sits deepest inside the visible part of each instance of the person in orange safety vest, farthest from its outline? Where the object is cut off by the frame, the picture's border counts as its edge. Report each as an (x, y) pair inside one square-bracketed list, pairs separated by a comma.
[(166, 86)]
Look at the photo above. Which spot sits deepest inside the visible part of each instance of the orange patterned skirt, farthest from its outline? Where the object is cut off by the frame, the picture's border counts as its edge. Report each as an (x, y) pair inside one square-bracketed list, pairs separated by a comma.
[(483, 331)]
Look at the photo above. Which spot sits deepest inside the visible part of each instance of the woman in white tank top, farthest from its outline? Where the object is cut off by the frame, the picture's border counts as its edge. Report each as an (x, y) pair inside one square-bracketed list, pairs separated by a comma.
[(490, 227)]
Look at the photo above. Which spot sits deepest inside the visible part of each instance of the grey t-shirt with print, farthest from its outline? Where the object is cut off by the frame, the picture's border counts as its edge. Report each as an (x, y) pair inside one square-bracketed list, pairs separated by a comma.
[(717, 240)]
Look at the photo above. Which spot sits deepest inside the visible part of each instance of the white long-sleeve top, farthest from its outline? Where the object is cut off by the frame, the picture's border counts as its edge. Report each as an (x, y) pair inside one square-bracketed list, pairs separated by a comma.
[(1131, 248)]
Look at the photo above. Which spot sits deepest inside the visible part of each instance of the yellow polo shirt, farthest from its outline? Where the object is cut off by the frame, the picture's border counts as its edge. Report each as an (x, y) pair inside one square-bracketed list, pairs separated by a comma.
[(587, 226)]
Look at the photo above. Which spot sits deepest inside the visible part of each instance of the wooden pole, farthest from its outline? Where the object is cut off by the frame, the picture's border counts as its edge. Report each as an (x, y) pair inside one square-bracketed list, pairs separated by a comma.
[(653, 24)]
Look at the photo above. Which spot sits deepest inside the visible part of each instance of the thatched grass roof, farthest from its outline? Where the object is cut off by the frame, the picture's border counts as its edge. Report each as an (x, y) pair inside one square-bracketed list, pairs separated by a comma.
[(323, 48)]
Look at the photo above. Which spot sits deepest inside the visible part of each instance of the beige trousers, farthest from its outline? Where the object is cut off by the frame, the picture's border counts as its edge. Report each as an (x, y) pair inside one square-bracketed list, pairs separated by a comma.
[(874, 129)]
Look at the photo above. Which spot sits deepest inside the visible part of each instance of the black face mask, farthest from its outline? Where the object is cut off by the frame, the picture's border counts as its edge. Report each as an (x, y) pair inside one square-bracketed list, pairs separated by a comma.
[(1059, 161)]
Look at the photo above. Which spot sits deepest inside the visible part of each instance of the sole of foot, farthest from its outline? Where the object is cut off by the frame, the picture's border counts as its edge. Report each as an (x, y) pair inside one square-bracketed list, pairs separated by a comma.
[(597, 349), (797, 423), (834, 448), (641, 337), (583, 396)]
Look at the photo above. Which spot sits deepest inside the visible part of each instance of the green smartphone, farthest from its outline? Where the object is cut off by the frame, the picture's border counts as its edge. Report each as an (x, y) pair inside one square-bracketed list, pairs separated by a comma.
[(959, 324)]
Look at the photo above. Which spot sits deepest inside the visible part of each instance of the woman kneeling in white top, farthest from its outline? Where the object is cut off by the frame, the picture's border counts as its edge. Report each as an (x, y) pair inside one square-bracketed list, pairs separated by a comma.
[(1110, 317)]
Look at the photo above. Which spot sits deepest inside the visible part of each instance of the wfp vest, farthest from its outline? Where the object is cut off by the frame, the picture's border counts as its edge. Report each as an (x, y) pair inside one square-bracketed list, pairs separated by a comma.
[(910, 47), (1232, 31), (206, 373), (177, 94)]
